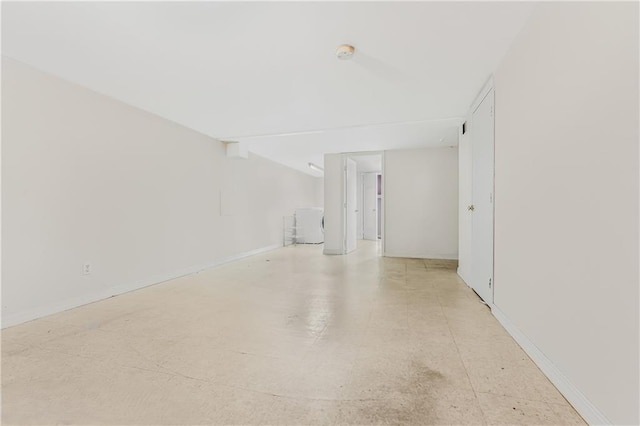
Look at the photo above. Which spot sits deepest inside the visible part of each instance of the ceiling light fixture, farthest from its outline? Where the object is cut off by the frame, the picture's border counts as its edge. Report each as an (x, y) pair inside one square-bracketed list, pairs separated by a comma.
[(316, 168), (345, 51)]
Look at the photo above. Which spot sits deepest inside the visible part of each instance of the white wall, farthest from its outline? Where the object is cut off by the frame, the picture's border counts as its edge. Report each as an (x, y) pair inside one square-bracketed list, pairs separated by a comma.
[(566, 197), (88, 179), (333, 204), (319, 195), (421, 203)]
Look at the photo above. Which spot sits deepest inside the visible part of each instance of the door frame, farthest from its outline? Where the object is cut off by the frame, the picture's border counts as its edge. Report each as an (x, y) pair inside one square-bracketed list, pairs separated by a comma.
[(365, 176), (346, 155), (345, 205), (487, 88)]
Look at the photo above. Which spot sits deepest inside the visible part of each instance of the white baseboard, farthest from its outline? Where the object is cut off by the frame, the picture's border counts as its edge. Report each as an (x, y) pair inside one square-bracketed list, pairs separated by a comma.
[(462, 277), (421, 256), (32, 314), (583, 406), (332, 251)]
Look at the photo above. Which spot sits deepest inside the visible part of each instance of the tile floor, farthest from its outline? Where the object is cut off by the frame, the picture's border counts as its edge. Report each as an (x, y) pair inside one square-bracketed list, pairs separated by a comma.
[(286, 337)]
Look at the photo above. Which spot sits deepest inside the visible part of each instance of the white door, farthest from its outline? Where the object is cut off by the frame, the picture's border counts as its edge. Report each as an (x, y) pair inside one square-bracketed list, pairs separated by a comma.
[(370, 207), (482, 195), (351, 205)]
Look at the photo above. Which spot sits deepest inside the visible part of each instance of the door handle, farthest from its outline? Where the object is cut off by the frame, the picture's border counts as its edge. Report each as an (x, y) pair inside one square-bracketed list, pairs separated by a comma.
[(471, 208)]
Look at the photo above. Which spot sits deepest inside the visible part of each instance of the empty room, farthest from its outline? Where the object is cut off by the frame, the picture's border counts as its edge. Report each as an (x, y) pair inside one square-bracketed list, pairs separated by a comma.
[(320, 213)]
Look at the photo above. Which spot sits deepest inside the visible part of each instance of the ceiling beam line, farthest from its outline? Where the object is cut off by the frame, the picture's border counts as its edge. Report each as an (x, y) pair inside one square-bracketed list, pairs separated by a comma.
[(459, 120)]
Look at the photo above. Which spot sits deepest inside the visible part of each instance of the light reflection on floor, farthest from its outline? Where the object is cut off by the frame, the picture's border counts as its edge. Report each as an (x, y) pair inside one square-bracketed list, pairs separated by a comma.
[(287, 337)]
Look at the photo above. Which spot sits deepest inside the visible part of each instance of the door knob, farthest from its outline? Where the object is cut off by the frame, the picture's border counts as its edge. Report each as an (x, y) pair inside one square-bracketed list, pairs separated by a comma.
[(471, 208)]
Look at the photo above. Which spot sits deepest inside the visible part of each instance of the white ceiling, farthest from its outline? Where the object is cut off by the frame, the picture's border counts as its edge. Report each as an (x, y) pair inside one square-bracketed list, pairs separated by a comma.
[(368, 162), (290, 149), (265, 73)]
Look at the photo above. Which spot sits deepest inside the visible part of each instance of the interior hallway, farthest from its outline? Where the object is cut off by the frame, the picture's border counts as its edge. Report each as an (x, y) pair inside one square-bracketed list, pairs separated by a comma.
[(286, 337)]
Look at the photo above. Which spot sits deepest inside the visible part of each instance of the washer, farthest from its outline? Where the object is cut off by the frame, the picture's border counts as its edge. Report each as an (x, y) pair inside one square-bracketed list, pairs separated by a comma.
[(310, 225)]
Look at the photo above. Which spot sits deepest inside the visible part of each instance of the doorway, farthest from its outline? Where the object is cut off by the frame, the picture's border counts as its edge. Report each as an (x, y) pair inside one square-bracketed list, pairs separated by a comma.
[(369, 188), (344, 201)]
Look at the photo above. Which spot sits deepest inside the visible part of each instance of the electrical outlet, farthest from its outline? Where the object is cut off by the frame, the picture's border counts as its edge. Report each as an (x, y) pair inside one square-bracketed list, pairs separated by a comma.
[(86, 269)]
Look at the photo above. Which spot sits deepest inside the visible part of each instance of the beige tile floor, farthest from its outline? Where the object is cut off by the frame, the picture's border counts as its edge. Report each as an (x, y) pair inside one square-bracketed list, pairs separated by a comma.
[(286, 337)]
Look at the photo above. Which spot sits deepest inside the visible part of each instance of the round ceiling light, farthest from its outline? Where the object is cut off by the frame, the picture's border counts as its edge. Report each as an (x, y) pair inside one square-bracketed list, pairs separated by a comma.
[(345, 51)]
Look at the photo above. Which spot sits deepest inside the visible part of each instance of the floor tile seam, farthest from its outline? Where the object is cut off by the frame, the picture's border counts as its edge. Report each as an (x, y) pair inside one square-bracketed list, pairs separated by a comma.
[(255, 412), (162, 370), (51, 339), (466, 370), (337, 400), (452, 387), (274, 394), (6, 354), (63, 352), (252, 354), (173, 373), (47, 319), (510, 395)]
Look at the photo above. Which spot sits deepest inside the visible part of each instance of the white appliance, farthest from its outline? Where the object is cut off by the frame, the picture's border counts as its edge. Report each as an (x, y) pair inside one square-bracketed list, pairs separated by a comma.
[(310, 225)]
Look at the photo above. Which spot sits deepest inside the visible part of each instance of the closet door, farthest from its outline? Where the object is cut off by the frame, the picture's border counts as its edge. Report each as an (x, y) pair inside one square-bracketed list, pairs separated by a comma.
[(482, 208)]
